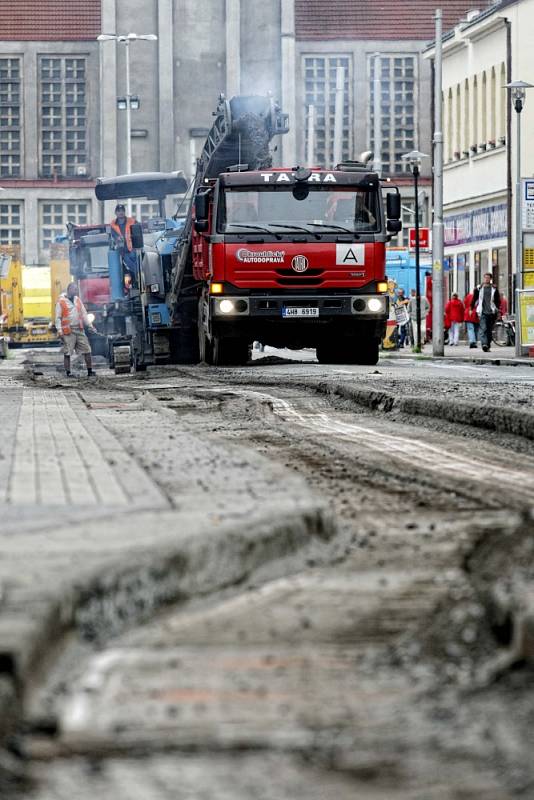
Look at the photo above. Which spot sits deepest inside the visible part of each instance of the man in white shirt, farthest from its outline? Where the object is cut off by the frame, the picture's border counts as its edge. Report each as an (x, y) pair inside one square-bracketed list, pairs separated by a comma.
[(71, 320)]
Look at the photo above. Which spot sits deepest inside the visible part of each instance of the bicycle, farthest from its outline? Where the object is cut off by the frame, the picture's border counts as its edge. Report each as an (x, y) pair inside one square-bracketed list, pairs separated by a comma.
[(504, 332)]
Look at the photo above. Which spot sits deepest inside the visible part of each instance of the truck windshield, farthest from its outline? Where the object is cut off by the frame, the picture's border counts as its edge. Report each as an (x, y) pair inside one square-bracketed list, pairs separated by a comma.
[(318, 207)]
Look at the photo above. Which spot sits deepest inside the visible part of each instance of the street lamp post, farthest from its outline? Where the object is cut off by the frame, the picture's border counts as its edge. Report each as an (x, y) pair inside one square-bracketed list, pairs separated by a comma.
[(126, 39), (413, 159), (517, 95)]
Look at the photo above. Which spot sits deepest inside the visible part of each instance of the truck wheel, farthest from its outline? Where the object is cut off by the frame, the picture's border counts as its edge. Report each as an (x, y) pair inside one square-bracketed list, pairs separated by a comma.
[(365, 352), (228, 351), (205, 348), (329, 353), (184, 347)]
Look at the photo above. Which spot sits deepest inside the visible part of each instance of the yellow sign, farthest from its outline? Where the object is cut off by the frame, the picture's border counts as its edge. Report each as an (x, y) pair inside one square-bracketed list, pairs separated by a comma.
[(528, 257), (526, 316), (528, 280)]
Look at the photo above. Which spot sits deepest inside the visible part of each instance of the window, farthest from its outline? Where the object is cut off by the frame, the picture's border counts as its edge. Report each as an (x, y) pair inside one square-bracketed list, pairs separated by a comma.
[(465, 114), (63, 116), (53, 218), (145, 211), (320, 73), (10, 117), (10, 223), (501, 121), (397, 108)]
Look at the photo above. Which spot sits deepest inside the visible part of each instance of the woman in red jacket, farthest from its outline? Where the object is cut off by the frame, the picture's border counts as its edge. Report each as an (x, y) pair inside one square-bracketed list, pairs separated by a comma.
[(454, 310), (471, 321)]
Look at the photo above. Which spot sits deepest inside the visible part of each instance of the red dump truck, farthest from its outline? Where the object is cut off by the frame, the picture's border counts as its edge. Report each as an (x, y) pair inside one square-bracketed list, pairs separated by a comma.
[(291, 257)]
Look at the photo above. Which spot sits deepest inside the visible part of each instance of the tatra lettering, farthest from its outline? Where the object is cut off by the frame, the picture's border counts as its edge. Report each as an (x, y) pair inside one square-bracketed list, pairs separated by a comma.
[(284, 177)]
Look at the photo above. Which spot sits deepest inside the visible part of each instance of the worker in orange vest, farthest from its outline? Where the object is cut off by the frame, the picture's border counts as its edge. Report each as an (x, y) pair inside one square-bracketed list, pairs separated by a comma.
[(71, 321), (121, 231)]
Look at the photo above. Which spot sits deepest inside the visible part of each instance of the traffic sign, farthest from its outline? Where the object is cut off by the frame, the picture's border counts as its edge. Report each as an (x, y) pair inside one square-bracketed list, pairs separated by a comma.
[(424, 238)]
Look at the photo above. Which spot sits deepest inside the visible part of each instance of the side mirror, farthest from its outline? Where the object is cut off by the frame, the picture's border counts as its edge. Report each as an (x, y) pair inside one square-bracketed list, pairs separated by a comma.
[(201, 207), (137, 236), (201, 225), (393, 203), (393, 225)]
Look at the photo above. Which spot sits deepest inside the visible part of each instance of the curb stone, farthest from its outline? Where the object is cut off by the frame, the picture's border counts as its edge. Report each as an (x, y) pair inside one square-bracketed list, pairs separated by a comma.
[(501, 420), (492, 361)]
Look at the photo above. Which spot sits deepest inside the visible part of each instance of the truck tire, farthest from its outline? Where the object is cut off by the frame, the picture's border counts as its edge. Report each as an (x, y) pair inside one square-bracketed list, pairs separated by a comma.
[(184, 347), (205, 345), (205, 348), (228, 351), (329, 353), (365, 352)]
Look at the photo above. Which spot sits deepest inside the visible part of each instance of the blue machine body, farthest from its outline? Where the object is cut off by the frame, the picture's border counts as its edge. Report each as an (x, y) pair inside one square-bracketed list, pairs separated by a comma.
[(158, 315), (116, 283)]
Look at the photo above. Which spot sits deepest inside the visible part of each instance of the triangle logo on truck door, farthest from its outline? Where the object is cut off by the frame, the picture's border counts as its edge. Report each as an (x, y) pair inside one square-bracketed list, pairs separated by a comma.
[(350, 255)]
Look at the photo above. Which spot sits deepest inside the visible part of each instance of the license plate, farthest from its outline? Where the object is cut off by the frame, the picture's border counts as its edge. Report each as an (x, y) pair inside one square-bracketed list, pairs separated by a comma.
[(300, 311)]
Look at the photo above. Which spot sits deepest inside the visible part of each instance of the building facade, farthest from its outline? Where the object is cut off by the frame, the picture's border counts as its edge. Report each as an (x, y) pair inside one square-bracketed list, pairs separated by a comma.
[(60, 126), (480, 56)]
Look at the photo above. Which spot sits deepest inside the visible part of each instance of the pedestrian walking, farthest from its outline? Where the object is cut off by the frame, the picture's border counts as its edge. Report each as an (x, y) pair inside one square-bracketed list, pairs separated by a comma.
[(471, 321), (71, 321), (486, 302), (454, 310), (401, 304)]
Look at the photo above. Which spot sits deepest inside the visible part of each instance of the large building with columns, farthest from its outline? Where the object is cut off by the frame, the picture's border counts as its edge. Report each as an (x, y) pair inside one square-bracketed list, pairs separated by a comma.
[(61, 127)]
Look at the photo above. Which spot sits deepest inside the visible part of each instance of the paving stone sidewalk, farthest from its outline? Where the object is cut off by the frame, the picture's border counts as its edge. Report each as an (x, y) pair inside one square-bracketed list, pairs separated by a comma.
[(89, 538)]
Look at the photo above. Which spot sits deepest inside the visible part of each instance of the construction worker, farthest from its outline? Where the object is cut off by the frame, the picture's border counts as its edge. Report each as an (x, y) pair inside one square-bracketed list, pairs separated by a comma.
[(121, 231), (71, 320)]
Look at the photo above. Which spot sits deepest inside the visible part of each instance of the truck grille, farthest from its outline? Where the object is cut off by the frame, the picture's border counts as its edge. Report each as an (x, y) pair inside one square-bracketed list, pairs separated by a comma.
[(288, 277)]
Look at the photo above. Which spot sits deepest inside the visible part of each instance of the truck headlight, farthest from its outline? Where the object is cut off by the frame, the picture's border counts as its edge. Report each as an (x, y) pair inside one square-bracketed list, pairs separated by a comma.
[(375, 304), (226, 306)]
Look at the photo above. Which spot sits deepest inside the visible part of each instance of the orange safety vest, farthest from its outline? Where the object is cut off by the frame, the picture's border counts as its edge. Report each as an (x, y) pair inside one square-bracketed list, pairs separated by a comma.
[(127, 231), (65, 314)]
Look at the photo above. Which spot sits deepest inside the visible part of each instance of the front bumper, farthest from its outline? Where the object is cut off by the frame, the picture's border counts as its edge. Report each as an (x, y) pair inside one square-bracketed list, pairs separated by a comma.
[(372, 307)]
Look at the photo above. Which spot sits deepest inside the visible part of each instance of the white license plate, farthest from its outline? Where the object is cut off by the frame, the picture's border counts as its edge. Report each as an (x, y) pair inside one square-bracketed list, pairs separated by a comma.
[(300, 311)]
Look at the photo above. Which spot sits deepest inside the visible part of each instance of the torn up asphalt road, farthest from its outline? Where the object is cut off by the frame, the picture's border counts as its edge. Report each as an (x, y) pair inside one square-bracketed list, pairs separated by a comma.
[(397, 672)]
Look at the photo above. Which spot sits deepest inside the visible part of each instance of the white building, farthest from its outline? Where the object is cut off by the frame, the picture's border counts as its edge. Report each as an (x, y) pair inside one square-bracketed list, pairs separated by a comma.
[(481, 55)]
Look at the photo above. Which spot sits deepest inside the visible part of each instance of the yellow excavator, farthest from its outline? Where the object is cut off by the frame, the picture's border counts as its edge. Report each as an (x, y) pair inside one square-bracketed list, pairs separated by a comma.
[(28, 296)]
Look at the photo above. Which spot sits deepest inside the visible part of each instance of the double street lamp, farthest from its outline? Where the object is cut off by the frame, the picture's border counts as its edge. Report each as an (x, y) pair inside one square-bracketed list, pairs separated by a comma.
[(413, 160), (517, 95), (129, 102)]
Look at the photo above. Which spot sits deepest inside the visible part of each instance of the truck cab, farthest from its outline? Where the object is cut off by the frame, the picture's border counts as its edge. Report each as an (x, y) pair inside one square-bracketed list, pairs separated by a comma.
[(293, 258)]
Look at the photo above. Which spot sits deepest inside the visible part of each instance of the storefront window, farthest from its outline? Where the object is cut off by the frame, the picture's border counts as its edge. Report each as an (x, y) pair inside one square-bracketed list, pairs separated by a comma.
[(462, 274), (448, 267), (481, 265), (499, 262)]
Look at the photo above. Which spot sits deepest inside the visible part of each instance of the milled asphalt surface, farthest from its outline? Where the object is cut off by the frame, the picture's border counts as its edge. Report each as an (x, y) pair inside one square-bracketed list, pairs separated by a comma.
[(377, 677)]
